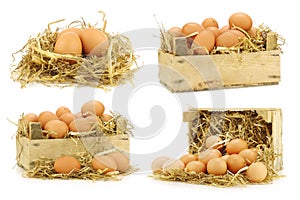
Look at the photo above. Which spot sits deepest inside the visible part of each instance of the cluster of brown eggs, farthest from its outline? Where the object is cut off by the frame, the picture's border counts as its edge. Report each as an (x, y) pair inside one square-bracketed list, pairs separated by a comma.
[(111, 162), (208, 35), (58, 124), (237, 157), (77, 41)]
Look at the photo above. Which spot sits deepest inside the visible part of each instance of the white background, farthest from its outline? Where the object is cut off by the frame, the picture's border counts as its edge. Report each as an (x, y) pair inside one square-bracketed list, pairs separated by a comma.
[(21, 19)]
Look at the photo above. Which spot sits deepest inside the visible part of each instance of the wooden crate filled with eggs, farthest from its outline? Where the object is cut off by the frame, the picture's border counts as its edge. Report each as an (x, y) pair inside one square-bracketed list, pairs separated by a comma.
[(227, 147), (92, 144), (203, 56)]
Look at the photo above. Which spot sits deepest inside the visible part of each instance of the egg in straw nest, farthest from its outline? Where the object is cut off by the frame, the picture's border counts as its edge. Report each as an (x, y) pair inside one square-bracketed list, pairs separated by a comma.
[(78, 55)]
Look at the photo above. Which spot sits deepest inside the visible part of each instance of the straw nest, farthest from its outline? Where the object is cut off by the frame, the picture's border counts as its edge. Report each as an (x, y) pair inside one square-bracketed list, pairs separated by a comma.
[(39, 64), (256, 43), (44, 167), (247, 125)]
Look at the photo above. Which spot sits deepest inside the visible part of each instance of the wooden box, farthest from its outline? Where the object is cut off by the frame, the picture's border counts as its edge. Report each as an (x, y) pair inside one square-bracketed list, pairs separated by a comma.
[(30, 149), (181, 73), (272, 117)]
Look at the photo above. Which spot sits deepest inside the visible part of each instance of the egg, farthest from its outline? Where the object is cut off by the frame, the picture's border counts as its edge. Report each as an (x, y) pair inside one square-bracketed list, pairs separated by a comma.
[(173, 164), (252, 31), (45, 117), (216, 166), (66, 165), (78, 31), (176, 32), (192, 27), (224, 28), (106, 117), (214, 30), (196, 166), (121, 160), (103, 162), (236, 145), (235, 162), (207, 155), (31, 117), (68, 43), (206, 42), (188, 158), (210, 22), (225, 157), (157, 163), (56, 128), (92, 119), (92, 107), (257, 172), (241, 20), (78, 115), (212, 140), (62, 110), (249, 155), (227, 39), (67, 118), (80, 125), (94, 42)]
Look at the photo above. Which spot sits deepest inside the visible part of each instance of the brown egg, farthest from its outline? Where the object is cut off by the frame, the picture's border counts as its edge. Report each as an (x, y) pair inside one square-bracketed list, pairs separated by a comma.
[(216, 166), (196, 166), (94, 42), (214, 30), (228, 39), (31, 117), (45, 117), (62, 110), (78, 31), (66, 165), (206, 40), (241, 20), (207, 155), (210, 22), (67, 118), (188, 158), (106, 117), (104, 163), (68, 43), (235, 146), (249, 155), (92, 107), (191, 27), (92, 119), (257, 172), (252, 32), (225, 157), (158, 163), (175, 32), (224, 28), (212, 140), (121, 160), (56, 128), (235, 162), (78, 115), (80, 125), (172, 164), (238, 33)]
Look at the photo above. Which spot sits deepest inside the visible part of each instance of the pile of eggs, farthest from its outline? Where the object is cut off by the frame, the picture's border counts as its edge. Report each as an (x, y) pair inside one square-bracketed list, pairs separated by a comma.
[(237, 158), (208, 35), (76, 41), (58, 124), (111, 162)]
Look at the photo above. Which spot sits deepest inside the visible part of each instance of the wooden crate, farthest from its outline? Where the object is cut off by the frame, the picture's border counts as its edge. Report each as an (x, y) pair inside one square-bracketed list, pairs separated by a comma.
[(205, 72), (270, 115), (33, 147)]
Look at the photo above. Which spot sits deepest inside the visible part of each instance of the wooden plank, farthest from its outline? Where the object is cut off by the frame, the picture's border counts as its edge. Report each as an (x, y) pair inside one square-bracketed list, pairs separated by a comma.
[(203, 72)]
